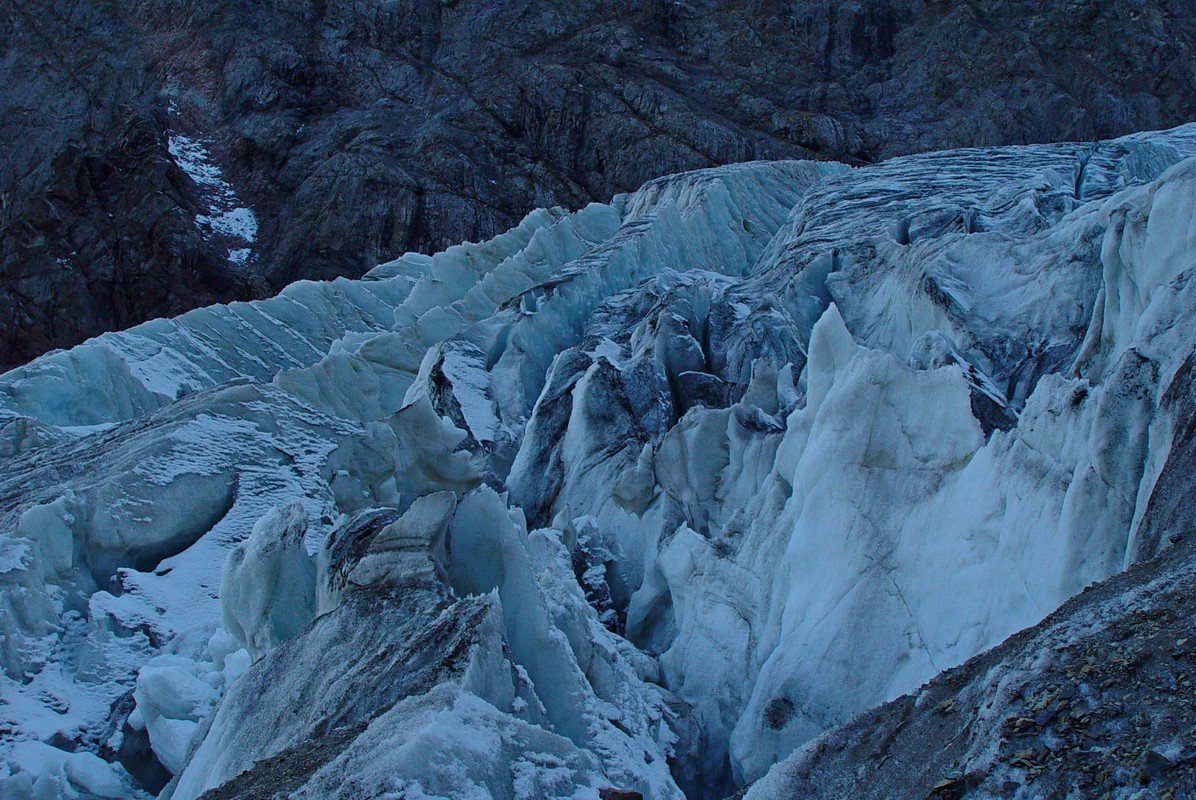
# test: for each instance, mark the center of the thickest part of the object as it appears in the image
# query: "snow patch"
(227, 222)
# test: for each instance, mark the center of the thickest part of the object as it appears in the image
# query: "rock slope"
(156, 156)
(1095, 700)
(638, 498)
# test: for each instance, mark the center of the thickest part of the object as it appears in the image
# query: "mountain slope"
(158, 156)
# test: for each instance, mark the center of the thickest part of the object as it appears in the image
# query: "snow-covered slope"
(640, 497)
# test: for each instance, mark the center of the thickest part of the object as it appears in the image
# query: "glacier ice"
(268, 585)
(502, 627)
(638, 497)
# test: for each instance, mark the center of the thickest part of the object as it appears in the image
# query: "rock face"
(638, 499)
(158, 156)
(98, 222)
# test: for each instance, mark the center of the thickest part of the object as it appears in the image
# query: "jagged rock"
(619, 794)
(157, 157)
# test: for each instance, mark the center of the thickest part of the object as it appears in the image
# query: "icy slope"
(649, 494)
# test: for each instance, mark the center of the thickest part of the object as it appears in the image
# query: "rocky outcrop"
(97, 220)
(141, 138)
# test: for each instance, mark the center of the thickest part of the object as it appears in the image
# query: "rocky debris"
(1097, 699)
(619, 794)
(353, 131)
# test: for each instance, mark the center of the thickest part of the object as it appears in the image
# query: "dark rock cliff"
(358, 129)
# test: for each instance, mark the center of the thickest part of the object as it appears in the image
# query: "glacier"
(637, 498)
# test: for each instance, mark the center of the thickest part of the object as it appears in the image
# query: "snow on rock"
(640, 497)
(227, 222)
